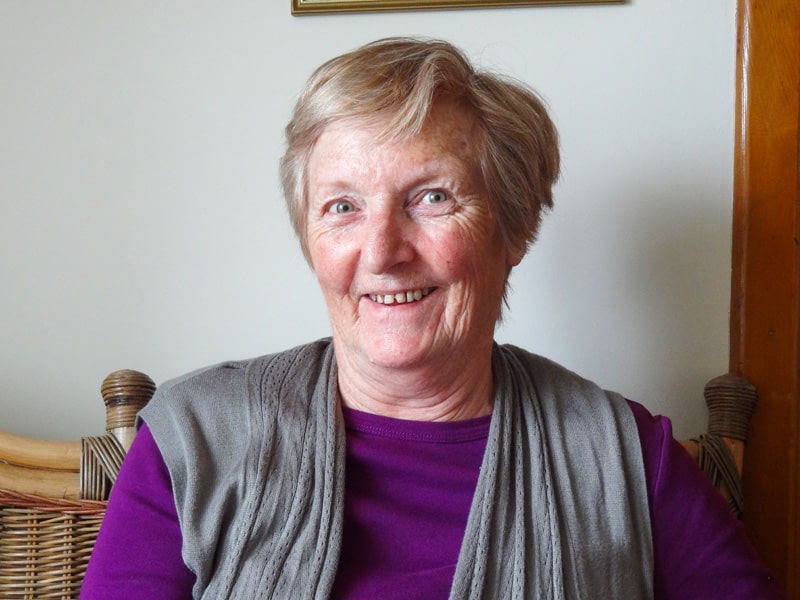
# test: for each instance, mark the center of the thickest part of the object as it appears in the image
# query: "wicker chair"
(720, 451)
(53, 496)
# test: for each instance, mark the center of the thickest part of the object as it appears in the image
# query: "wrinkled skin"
(410, 261)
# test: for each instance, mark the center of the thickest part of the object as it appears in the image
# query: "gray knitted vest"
(256, 452)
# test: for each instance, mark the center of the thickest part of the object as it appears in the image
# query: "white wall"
(142, 225)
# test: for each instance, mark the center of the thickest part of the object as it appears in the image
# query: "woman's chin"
(397, 352)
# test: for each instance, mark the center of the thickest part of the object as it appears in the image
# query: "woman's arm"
(138, 550)
(700, 549)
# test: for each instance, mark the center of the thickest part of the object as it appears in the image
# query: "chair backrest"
(53, 496)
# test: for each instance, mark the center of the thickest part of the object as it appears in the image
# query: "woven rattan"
(45, 544)
(101, 459)
(731, 400)
(715, 460)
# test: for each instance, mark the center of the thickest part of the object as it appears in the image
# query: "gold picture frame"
(307, 7)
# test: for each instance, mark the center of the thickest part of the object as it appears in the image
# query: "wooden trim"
(765, 290)
(312, 7)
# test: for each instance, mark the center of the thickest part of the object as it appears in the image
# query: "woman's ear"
(514, 256)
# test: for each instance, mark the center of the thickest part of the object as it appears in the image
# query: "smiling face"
(404, 244)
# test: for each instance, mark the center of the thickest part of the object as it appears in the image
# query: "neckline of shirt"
(357, 421)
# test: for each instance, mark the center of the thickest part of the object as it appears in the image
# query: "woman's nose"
(386, 240)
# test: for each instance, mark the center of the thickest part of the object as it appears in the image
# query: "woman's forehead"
(355, 149)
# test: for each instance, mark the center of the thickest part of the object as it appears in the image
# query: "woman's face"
(404, 244)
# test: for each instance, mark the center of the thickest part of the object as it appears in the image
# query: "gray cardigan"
(256, 452)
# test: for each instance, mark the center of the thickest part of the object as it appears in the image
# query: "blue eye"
(342, 207)
(434, 197)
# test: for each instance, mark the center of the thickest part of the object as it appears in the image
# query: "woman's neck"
(453, 391)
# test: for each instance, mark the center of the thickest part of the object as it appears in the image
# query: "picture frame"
(307, 7)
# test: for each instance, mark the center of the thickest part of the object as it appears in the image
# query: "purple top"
(405, 516)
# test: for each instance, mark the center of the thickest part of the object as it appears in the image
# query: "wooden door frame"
(765, 288)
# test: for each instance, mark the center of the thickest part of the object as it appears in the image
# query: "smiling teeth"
(401, 297)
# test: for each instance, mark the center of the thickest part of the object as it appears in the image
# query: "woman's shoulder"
(571, 394)
(543, 367)
(224, 412)
(230, 382)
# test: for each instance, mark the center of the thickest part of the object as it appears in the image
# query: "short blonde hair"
(396, 81)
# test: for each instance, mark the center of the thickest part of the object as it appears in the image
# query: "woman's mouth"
(401, 297)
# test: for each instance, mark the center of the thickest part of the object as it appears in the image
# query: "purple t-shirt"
(409, 487)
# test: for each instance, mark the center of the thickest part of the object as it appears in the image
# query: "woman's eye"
(342, 207)
(434, 196)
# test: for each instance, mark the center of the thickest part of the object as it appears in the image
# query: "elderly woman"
(410, 456)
